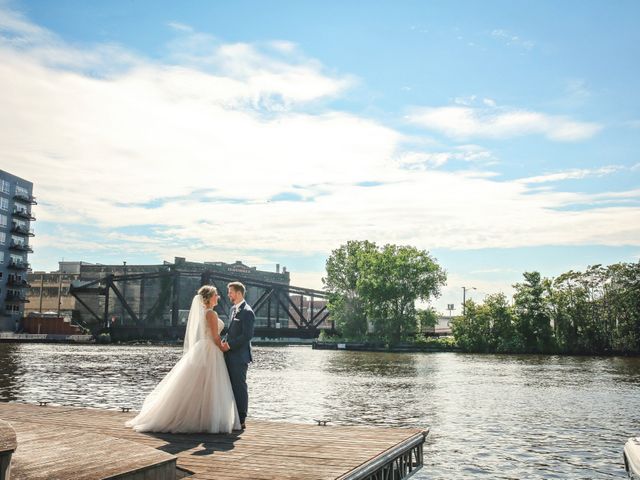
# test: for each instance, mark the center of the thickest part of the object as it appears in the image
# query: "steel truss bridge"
(307, 322)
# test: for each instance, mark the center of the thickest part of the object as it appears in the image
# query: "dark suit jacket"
(239, 335)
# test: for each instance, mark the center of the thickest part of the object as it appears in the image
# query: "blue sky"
(500, 136)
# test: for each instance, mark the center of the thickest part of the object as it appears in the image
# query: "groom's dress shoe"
(243, 426)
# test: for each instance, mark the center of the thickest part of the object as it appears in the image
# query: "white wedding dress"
(196, 395)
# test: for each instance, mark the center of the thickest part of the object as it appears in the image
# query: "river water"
(490, 416)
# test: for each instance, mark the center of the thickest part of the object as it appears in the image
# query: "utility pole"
(124, 290)
(41, 291)
(464, 298)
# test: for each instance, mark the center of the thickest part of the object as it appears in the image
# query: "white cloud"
(272, 75)
(510, 39)
(181, 27)
(20, 37)
(308, 279)
(574, 174)
(423, 160)
(466, 101)
(468, 122)
(494, 270)
(230, 123)
(284, 46)
(577, 89)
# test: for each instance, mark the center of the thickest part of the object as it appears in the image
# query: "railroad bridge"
(154, 304)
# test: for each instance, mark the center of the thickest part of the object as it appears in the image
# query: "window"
(3, 220)
(22, 191)
(3, 238)
(1, 261)
(17, 240)
(4, 203)
(4, 186)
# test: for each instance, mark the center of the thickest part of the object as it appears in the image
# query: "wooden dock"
(83, 444)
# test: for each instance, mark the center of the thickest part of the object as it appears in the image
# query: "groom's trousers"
(238, 376)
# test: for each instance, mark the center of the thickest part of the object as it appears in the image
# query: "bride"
(196, 395)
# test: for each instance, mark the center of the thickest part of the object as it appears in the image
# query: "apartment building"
(16, 201)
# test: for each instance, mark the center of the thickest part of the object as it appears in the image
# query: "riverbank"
(10, 337)
(382, 347)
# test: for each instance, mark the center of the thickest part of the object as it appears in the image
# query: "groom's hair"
(238, 287)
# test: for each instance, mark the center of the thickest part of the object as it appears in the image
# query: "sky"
(500, 136)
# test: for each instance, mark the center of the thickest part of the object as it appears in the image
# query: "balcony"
(18, 265)
(15, 228)
(13, 282)
(26, 198)
(20, 247)
(13, 297)
(22, 213)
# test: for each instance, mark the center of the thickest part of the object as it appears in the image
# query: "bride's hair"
(206, 292)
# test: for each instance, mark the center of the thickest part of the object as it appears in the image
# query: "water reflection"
(8, 371)
(373, 363)
(373, 388)
(491, 416)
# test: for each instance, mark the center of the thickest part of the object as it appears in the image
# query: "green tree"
(503, 333)
(346, 304)
(533, 320)
(596, 311)
(393, 279)
(568, 305)
(379, 286)
(583, 311)
(623, 301)
(472, 330)
(426, 318)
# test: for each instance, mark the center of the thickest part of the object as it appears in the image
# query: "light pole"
(124, 290)
(464, 297)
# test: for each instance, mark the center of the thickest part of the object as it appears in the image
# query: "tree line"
(592, 312)
(373, 291)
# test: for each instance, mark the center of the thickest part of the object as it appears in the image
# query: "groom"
(237, 346)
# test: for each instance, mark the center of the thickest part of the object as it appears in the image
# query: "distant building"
(16, 200)
(442, 327)
(309, 309)
(150, 298)
(48, 293)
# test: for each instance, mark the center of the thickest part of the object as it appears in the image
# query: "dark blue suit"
(239, 335)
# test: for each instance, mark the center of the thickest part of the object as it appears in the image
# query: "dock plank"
(51, 452)
(7, 437)
(264, 451)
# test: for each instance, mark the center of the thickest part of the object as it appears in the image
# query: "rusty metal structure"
(282, 310)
